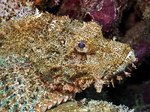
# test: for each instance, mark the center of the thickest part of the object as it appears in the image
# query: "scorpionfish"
(45, 60)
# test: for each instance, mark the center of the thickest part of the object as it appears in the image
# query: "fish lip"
(129, 61)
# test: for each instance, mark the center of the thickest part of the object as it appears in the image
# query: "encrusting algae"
(91, 106)
(61, 57)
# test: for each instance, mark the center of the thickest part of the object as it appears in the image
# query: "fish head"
(91, 58)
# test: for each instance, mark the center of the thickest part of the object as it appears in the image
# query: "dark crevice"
(49, 6)
(55, 9)
(130, 16)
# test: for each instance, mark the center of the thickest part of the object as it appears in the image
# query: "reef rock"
(104, 12)
(91, 106)
(139, 39)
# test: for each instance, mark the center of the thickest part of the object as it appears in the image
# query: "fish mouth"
(129, 61)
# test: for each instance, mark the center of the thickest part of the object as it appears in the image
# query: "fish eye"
(81, 44)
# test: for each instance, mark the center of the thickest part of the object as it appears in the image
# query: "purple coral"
(104, 12)
(142, 49)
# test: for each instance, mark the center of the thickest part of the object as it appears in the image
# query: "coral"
(91, 106)
(104, 12)
(144, 6)
(146, 13)
(66, 56)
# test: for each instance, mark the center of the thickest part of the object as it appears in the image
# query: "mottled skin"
(21, 89)
(58, 68)
(11, 9)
